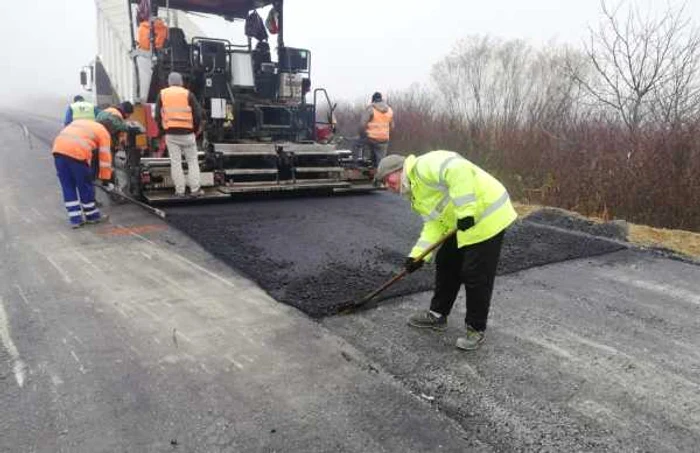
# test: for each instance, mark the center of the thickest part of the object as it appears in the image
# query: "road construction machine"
(263, 128)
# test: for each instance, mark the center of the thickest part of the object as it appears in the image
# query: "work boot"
(75, 226)
(102, 219)
(197, 194)
(428, 320)
(471, 341)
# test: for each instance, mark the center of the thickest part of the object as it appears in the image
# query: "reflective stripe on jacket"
(379, 126)
(175, 108)
(82, 110)
(446, 187)
(80, 138)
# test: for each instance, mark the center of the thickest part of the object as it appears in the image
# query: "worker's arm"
(69, 116)
(104, 155)
(431, 233)
(196, 112)
(460, 182)
(158, 116)
(366, 116)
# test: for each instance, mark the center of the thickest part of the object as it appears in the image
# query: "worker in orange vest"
(144, 33)
(179, 115)
(73, 151)
(377, 122)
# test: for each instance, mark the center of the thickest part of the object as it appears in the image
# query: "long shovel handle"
(404, 273)
(148, 208)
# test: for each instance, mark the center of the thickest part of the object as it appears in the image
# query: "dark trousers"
(473, 266)
(78, 191)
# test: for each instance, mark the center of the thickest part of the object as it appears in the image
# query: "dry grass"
(685, 242)
(680, 241)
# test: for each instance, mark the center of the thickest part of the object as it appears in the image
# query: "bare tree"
(641, 65)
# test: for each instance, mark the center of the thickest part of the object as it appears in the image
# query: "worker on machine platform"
(449, 192)
(377, 122)
(179, 115)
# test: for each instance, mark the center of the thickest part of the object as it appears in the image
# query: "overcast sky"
(357, 46)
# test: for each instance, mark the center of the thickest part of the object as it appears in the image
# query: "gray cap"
(388, 165)
(175, 78)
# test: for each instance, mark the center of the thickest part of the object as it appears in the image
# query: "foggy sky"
(358, 46)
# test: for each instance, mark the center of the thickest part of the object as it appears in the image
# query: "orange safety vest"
(80, 138)
(175, 108)
(379, 125)
(145, 34)
(114, 111)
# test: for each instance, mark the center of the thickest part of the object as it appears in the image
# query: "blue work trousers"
(78, 190)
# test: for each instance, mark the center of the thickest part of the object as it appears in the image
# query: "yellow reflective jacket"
(445, 187)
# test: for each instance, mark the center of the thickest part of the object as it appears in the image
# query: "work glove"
(465, 223)
(107, 185)
(411, 265)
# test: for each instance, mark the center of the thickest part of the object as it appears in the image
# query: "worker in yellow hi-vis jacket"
(449, 192)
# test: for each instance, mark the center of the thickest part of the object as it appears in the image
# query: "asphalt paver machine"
(261, 132)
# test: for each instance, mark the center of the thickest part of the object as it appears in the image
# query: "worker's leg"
(68, 187)
(189, 147)
(379, 152)
(478, 274)
(176, 172)
(84, 182)
(447, 277)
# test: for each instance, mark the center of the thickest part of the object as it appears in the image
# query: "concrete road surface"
(131, 337)
(127, 337)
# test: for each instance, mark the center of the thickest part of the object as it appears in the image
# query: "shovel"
(398, 276)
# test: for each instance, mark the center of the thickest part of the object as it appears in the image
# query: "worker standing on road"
(179, 115)
(450, 192)
(80, 109)
(377, 122)
(73, 151)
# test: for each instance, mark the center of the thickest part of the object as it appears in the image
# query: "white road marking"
(149, 312)
(659, 288)
(247, 358)
(18, 366)
(80, 364)
(86, 260)
(22, 295)
(232, 360)
(70, 332)
(55, 379)
(191, 263)
(65, 276)
(184, 337)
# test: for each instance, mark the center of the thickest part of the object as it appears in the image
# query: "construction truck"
(261, 131)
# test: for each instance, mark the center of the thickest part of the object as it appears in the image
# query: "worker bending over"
(73, 151)
(80, 109)
(450, 192)
(117, 116)
(179, 115)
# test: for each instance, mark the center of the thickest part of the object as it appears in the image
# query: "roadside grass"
(680, 241)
